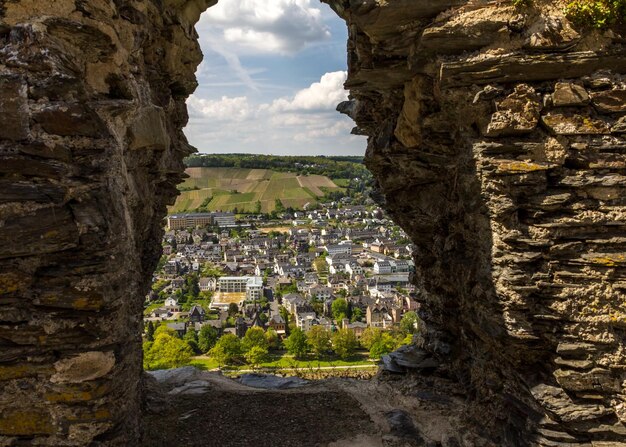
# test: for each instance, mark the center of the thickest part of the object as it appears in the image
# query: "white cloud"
(306, 121)
(225, 109)
(268, 26)
(323, 95)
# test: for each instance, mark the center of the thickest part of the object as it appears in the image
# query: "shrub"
(596, 13)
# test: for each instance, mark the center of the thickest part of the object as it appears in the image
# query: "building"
(196, 314)
(224, 220)
(207, 284)
(306, 320)
(182, 221)
(382, 268)
(252, 286)
(192, 220)
(340, 248)
(379, 316)
(171, 304)
(278, 324)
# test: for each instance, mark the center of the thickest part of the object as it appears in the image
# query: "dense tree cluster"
(333, 167)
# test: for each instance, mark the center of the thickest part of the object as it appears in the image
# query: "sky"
(272, 75)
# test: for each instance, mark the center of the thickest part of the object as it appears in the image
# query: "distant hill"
(229, 189)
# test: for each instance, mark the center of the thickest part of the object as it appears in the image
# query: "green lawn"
(285, 361)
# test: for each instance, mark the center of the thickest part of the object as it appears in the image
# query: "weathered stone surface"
(84, 367)
(508, 163)
(14, 109)
(517, 114)
(269, 381)
(70, 119)
(569, 94)
(573, 124)
(611, 101)
(26, 423)
(555, 400)
(92, 103)
(598, 379)
(550, 33)
(148, 130)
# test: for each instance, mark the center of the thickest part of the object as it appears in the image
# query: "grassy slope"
(232, 188)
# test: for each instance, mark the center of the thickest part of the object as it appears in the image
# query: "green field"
(238, 188)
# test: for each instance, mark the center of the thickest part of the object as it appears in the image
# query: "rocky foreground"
(195, 408)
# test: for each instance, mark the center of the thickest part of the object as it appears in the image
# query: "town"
(330, 281)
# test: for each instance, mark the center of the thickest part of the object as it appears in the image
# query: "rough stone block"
(77, 393)
(557, 401)
(148, 130)
(610, 101)
(45, 230)
(26, 422)
(13, 109)
(517, 114)
(574, 124)
(70, 119)
(84, 367)
(598, 379)
(70, 299)
(568, 94)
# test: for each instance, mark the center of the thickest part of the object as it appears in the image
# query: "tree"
(207, 338)
(150, 331)
(272, 339)
(339, 309)
(409, 322)
(191, 338)
(319, 340)
(226, 350)
(278, 206)
(296, 343)
(256, 355)
(167, 351)
(370, 336)
(344, 343)
(357, 314)
(257, 207)
(383, 345)
(211, 270)
(233, 309)
(255, 336)
(191, 285)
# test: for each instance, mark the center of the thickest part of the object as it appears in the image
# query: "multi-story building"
(252, 286)
(191, 220)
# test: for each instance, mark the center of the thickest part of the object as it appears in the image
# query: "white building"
(382, 268)
(354, 269)
(207, 284)
(251, 285)
(341, 248)
(306, 320)
(171, 304)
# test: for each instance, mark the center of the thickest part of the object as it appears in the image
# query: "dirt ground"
(259, 419)
(193, 408)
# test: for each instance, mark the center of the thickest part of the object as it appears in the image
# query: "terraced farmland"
(234, 188)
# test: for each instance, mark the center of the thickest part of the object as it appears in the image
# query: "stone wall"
(496, 135)
(92, 106)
